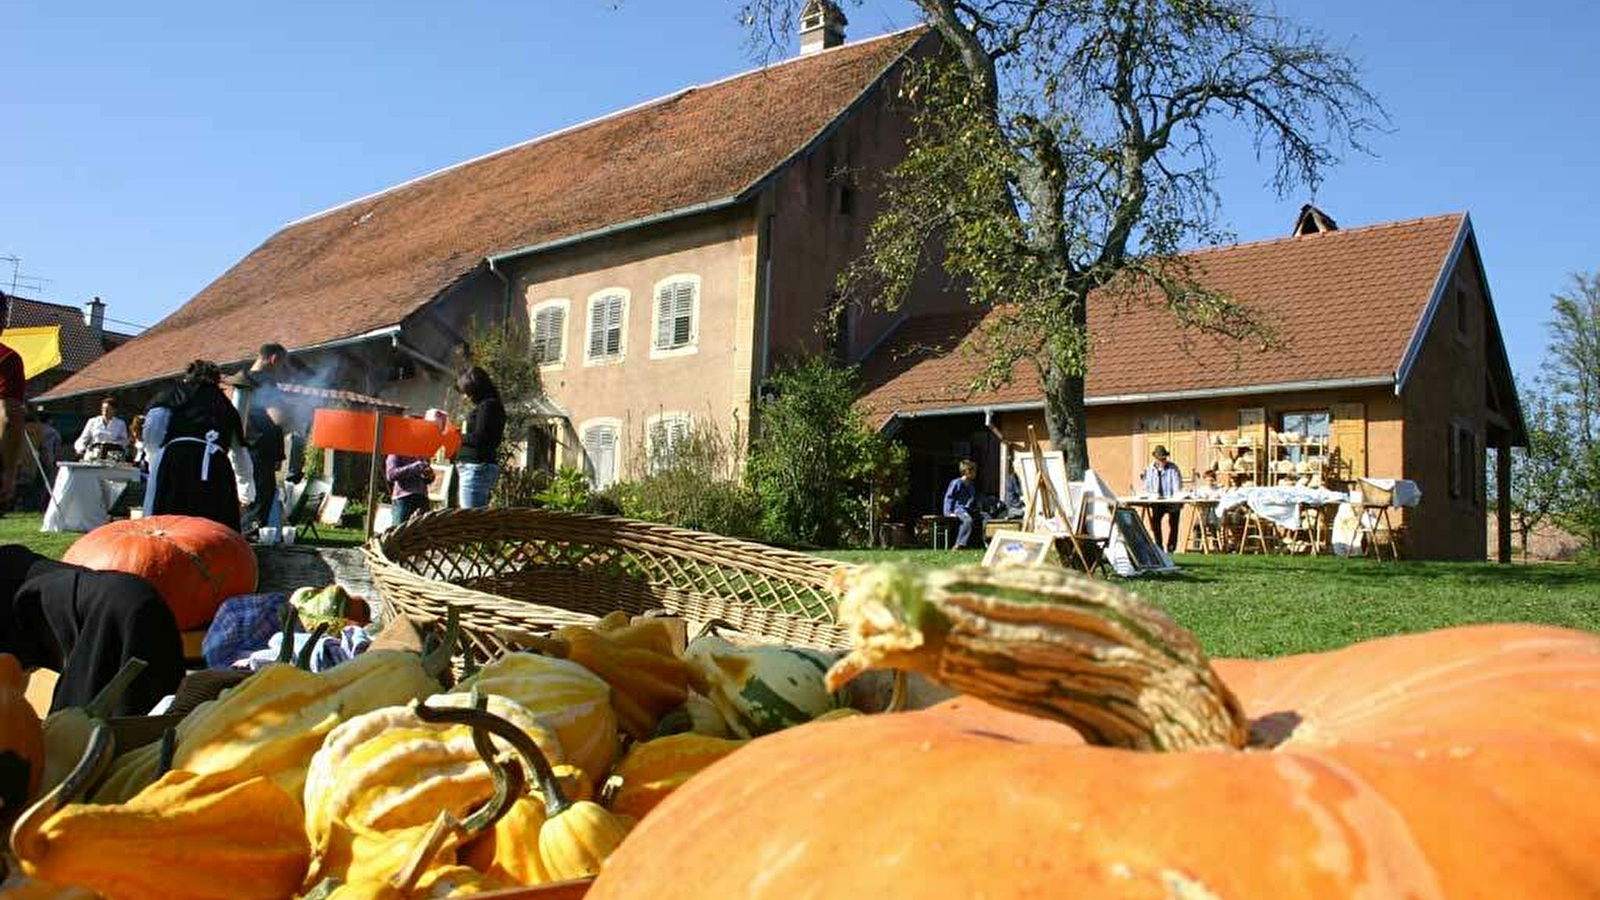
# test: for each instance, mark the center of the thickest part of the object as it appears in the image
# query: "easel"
(1043, 505)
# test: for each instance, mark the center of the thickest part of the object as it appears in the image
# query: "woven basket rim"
(426, 535)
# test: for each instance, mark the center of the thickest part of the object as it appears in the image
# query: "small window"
(1313, 424)
(1464, 463)
(607, 313)
(667, 434)
(548, 341)
(847, 200)
(677, 304)
(1463, 313)
(600, 454)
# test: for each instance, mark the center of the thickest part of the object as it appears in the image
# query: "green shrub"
(692, 483)
(818, 471)
(568, 491)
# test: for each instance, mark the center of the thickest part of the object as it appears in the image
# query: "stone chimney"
(94, 316)
(821, 26)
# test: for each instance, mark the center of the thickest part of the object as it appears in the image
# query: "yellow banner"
(39, 347)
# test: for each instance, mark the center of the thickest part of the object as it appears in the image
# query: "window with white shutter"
(675, 317)
(600, 453)
(608, 313)
(548, 340)
(666, 434)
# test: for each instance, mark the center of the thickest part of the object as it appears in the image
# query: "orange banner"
(340, 429)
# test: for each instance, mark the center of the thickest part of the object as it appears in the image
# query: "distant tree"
(1572, 373)
(1065, 146)
(503, 352)
(1541, 472)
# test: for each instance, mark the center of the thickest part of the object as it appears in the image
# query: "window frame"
(593, 474)
(625, 296)
(692, 346)
(1463, 473)
(563, 304)
(1297, 452)
(652, 422)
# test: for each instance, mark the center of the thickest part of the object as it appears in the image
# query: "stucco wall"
(710, 384)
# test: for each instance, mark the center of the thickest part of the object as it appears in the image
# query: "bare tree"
(1065, 147)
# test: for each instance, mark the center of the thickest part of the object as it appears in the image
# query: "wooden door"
(1348, 434)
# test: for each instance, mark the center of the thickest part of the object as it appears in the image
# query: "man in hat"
(1162, 479)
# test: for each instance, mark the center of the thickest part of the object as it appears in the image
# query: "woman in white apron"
(198, 463)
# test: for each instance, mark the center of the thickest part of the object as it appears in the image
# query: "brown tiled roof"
(368, 264)
(1344, 305)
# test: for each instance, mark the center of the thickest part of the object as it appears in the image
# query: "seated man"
(85, 625)
(961, 502)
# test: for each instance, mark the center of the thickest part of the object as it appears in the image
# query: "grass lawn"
(23, 528)
(1271, 605)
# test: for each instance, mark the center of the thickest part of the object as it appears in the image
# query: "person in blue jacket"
(961, 502)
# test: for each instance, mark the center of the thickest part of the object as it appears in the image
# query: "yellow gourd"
(647, 678)
(180, 839)
(388, 770)
(576, 836)
(654, 769)
(565, 696)
(509, 850)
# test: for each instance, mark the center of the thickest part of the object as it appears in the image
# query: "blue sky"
(148, 147)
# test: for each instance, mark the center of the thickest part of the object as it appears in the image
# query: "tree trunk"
(1067, 418)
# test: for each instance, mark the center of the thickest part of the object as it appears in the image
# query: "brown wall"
(709, 384)
(813, 237)
(1119, 454)
(1447, 385)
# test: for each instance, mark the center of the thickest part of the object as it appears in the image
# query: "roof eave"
(694, 209)
(374, 334)
(1424, 323)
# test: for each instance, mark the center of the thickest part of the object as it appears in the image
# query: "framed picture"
(1017, 548)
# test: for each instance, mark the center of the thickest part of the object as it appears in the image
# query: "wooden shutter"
(664, 311)
(675, 314)
(1182, 429)
(597, 326)
(549, 327)
(613, 325)
(1348, 435)
(600, 447)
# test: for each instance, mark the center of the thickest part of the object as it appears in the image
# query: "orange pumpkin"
(195, 563)
(1458, 763)
(21, 741)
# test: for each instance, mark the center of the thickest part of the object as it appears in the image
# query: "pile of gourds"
(372, 779)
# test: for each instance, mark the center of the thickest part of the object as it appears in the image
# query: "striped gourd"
(274, 721)
(387, 770)
(760, 689)
(570, 699)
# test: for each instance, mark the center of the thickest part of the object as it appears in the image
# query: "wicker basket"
(530, 570)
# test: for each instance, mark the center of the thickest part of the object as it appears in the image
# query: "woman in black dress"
(198, 463)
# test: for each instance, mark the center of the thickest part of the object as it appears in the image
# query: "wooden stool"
(941, 530)
(1368, 534)
(1258, 530)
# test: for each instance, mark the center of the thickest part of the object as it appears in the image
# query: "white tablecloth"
(83, 493)
(1279, 505)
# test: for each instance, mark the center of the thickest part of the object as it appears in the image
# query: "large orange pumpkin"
(195, 563)
(21, 741)
(1461, 763)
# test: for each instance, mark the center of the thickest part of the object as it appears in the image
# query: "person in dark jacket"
(85, 624)
(478, 461)
(198, 463)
